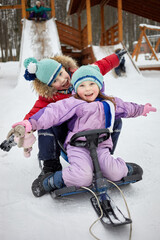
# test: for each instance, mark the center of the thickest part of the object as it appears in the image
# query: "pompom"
(28, 76)
(32, 67)
(27, 61)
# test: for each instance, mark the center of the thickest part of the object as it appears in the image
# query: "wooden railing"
(84, 37)
(112, 35)
(88, 56)
(69, 35)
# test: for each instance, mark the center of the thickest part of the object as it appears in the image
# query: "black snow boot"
(43, 184)
(135, 172)
(49, 167)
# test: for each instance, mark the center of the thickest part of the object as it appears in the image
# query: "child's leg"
(49, 150)
(80, 171)
(112, 168)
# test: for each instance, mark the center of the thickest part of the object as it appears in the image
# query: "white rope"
(129, 215)
(90, 229)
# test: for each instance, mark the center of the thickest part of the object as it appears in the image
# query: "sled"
(100, 185)
(38, 19)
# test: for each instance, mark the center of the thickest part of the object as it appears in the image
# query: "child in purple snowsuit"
(88, 109)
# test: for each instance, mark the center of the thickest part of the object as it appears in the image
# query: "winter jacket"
(38, 10)
(81, 115)
(105, 65)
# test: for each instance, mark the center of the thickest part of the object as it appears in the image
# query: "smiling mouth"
(89, 95)
(66, 85)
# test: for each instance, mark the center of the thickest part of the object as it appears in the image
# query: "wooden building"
(80, 40)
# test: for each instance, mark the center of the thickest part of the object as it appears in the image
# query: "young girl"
(87, 109)
(60, 68)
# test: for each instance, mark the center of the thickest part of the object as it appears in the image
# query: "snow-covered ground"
(23, 217)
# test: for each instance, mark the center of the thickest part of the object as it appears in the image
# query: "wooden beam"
(137, 47)
(102, 42)
(120, 22)
(79, 22)
(23, 9)
(10, 7)
(53, 13)
(89, 23)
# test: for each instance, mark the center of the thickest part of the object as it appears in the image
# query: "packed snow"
(23, 217)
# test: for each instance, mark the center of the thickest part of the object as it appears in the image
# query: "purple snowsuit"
(85, 116)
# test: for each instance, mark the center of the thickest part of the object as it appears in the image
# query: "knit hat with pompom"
(87, 73)
(45, 70)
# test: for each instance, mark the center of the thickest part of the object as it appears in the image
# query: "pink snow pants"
(80, 171)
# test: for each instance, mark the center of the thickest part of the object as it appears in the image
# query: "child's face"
(62, 81)
(38, 4)
(88, 91)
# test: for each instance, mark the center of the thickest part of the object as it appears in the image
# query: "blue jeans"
(49, 150)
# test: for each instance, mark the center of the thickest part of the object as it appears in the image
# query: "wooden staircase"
(73, 53)
(73, 44)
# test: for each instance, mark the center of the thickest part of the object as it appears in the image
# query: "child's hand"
(121, 53)
(148, 108)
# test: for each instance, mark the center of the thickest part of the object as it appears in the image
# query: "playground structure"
(77, 43)
(143, 28)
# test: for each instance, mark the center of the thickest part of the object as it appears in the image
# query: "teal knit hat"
(45, 70)
(87, 73)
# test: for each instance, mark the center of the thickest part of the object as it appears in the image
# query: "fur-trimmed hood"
(46, 91)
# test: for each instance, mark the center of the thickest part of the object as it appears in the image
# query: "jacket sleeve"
(55, 113)
(127, 109)
(43, 102)
(30, 9)
(108, 63)
(46, 9)
(37, 106)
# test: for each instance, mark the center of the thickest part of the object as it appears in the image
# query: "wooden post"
(156, 47)
(89, 25)
(53, 13)
(149, 44)
(102, 42)
(23, 8)
(120, 21)
(137, 47)
(79, 22)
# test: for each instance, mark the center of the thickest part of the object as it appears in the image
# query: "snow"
(23, 217)
(143, 62)
(149, 26)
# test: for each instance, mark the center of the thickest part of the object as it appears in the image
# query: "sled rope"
(129, 215)
(90, 228)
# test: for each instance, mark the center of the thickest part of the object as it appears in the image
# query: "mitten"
(6, 145)
(24, 123)
(148, 108)
(121, 53)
